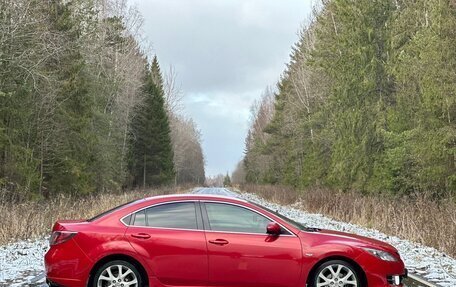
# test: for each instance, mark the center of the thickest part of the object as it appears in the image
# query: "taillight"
(58, 237)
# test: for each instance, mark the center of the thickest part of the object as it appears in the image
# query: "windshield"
(284, 218)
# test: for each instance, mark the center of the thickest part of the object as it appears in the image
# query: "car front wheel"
(336, 273)
(117, 273)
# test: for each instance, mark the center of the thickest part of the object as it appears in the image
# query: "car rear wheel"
(117, 273)
(336, 273)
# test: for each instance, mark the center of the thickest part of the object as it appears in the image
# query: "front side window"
(231, 218)
(179, 215)
(295, 224)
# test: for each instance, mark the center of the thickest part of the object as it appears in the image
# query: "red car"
(203, 240)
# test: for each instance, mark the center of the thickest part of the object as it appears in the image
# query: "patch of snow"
(21, 262)
(428, 262)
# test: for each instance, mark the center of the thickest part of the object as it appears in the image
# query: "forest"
(84, 104)
(366, 103)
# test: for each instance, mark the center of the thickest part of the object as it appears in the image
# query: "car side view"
(204, 240)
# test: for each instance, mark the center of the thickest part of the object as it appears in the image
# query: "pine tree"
(227, 180)
(151, 148)
(385, 121)
(67, 166)
(70, 78)
(422, 140)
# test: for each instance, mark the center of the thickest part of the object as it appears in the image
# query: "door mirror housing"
(273, 228)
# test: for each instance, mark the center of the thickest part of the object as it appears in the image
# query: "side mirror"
(273, 228)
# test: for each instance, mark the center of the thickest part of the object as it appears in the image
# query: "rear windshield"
(284, 218)
(110, 211)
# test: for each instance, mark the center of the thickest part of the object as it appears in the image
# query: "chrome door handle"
(141, 235)
(219, 241)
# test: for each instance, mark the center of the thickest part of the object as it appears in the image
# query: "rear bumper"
(51, 283)
(62, 282)
(66, 265)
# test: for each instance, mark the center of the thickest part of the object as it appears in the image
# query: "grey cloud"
(226, 52)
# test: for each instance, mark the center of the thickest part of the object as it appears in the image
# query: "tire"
(120, 272)
(336, 273)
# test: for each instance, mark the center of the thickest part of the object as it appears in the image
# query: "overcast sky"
(226, 52)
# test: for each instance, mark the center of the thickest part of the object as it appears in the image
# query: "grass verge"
(418, 218)
(22, 220)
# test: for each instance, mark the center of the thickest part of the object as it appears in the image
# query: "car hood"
(357, 240)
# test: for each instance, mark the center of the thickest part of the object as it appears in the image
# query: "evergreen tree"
(422, 139)
(71, 156)
(366, 103)
(227, 180)
(354, 58)
(71, 74)
(151, 148)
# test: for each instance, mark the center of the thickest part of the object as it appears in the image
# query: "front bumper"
(397, 280)
(381, 273)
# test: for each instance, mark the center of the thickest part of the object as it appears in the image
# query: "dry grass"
(29, 219)
(419, 219)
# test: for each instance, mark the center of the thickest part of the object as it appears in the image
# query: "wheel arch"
(113, 257)
(355, 265)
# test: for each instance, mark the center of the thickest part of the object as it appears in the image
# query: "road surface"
(215, 191)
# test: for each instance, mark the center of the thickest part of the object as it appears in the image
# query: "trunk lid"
(65, 225)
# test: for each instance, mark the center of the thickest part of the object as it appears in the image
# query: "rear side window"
(127, 220)
(140, 218)
(179, 215)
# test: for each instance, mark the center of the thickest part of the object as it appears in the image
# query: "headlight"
(381, 254)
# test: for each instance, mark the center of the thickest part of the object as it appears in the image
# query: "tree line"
(367, 102)
(83, 109)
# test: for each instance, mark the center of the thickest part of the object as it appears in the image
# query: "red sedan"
(203, 240)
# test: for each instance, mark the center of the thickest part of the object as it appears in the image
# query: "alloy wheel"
(336, 275)
(117, 276)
